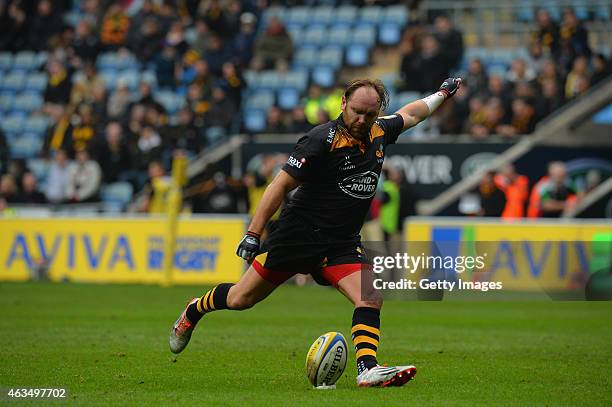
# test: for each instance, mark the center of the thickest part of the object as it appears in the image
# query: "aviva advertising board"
(120, 250)
(534, 255)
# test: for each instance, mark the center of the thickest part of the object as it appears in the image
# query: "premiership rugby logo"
(362, 186)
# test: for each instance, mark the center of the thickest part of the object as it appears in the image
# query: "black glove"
(449, 86)
(249, 246)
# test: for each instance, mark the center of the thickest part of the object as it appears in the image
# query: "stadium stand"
(218, 70)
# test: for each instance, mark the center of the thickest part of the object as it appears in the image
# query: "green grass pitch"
(107, 345)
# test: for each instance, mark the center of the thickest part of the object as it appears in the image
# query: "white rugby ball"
(326, 359)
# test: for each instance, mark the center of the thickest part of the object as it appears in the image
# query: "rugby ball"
(326, 359)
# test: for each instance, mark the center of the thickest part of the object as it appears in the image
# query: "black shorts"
(297, 247)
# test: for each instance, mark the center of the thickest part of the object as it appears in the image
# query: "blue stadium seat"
(261, 99)
(14, 81)
(28, 102)
(339, 35)
(295, 31)
(299, 15)
(39, 167)
(305, 57)
(255, 120)
(269, 80)
(602, 12)
(288, 98)
(149, 77)
(323, 14)
(171, 101)
(116, 196)
(25, 60)
(110, 77)
(402, 99)
(117, 61)
(364, 34)
(396, 15)
(389, 34)
(372, 15)
(42, 57)
(13, 123)
(6, 102)
(131, 78)
(346, 14)
(357, 55)
(6, 60)
(323, 76)
(315, 35)
(36, 81)
(280, 12)
(331, 56)
(26, 145)
(297, 79)
(36, 124)
(525, 12)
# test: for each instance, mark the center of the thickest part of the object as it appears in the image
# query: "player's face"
(360, 111)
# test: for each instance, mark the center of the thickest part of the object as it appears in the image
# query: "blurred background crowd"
(98, 93)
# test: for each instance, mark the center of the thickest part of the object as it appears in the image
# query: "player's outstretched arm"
(269, 204)
(415, 112)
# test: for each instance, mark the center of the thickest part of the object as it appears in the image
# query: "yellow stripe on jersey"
(362, 327)
(362, 338)
(365, 352)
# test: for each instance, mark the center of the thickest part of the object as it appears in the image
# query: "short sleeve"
(393, 126)
(304, 161)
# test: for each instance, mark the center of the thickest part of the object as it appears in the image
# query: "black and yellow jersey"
(339, 174)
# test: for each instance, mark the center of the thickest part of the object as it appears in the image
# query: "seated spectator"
(519, 73)
(44, 25)
(450, 41)
(521, 121)
(59, 135)
(244, 41)
(536, 57)
(516, 189)
(272, 45)
(165, 67)
(57, 178)
(148, 148)
(155, 191)
(476, 77)
(203, 36)
(8, 189)
(214, 16)
(498, 89)
(115, 27)
(14, 27)
(232, 83)
(83, 130)
(113, 154)
(298, 123)
(574, 39)
(216, 55)
(547, 33)
(558, 194)
(82, 88)
(601, 69)
(577, 82)
(549, 99)
(85, 44)
(59, 84)
(274, 121)
(147, 99)
(549, 72)
(184, 135)
(175, 38)
(222, 112)
(431, 66)
(313, 103)
(84, 179)
(486, 118)
(119, 101)
(29, 191)
(492, 199)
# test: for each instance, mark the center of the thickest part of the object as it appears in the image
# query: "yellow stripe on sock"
(205, 301)
(365, 352)
(212, 299)
(362, 327)
(199, 305)
(363, 338)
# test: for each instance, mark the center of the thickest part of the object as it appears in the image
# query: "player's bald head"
(368, 90)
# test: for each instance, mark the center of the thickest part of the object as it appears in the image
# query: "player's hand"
(449, 86)
(249, 246)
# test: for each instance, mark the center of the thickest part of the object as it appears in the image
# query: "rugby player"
(335, 168)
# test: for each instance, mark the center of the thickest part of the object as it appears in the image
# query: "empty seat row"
(23, 60)
(13, 81)
(347, 14)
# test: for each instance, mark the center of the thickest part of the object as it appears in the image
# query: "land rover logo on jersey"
(362, 186)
